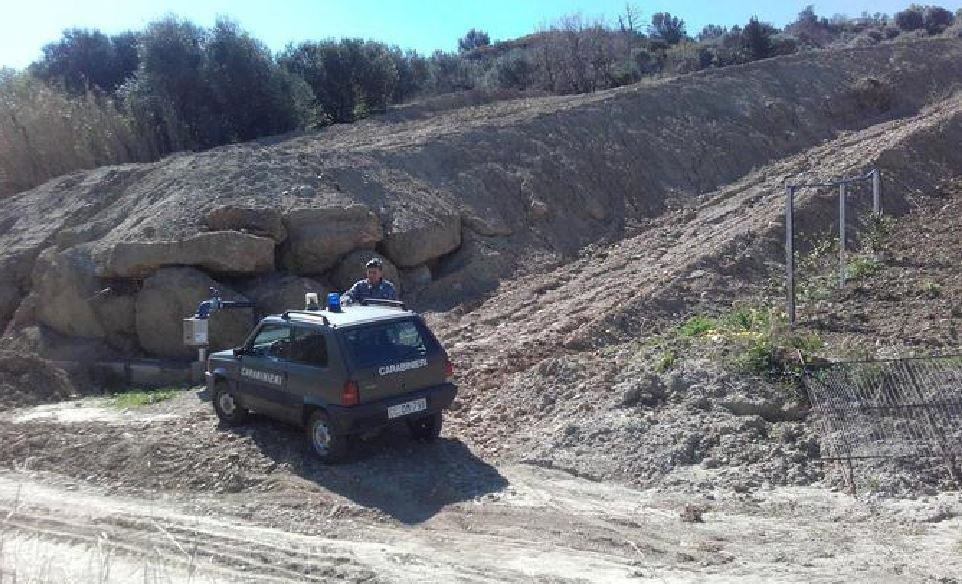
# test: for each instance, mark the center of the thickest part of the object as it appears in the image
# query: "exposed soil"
(575, 451)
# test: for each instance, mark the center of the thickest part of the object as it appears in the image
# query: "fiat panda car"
(337, 372)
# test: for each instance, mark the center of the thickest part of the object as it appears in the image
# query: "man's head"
(375, 271)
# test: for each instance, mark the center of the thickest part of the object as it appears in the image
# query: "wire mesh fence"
(892, 409)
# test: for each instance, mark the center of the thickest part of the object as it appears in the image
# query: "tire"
(330, 447)
(426, 428)
(227, 407)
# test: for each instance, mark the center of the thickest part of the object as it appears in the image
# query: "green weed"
(666, 362)
(139, 399)
(862, 268)
(697, 326)
(931, 289)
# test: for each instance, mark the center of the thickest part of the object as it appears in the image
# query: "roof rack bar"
(383, 302)
(315, 313)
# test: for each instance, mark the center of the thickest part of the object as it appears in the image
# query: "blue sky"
(417, 24)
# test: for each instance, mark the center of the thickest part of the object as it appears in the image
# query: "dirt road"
(449, 518)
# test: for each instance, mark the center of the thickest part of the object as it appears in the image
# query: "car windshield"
(385, 343)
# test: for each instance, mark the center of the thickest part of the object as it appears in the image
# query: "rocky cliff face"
(107, 262)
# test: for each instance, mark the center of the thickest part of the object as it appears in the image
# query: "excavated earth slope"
(104, 263)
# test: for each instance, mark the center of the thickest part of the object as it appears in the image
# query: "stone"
(538, 209)
(647, 390)
(261, 221)
(223, 252)
(65, 283)
(276, 293)
(318, 238)
(489, 227)
(351, 269)
(416, 278)
(172, 294)
(416, 241)
(117, 317)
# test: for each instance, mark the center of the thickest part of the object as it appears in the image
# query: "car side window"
(310, 347)
(272, 340)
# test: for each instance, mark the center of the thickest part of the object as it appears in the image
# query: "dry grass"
(45, 133)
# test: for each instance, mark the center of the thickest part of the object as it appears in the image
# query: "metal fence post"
(790, 252)
(841, 235)
(877, 191)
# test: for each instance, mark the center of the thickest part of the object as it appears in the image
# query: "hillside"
(458, 200)
(603, 269)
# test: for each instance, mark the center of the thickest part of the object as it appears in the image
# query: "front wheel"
(227, 407)
(426, 428)
(329, 446)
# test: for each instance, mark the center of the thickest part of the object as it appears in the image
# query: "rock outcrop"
(67, 289)
(222, 252)
(262, 221)
(319, 238)
(413, 241)
(173, 294)
(276, 293)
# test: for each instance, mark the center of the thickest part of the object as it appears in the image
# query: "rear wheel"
(329, 446)
(226, 406)
(426, 428)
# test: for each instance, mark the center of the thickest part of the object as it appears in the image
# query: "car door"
(313, 376)
(263, 378)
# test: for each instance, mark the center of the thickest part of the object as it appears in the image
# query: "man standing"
(374, 286)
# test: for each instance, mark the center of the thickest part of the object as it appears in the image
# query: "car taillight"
(351, 396)
(448, 370)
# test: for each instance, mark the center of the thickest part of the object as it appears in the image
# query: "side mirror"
(238, 351)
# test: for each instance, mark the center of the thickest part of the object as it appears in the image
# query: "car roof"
(349, 315)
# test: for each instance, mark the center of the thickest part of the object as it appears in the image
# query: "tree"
(474, 39)
(937, 19)
(711, 32)
(666, 27)
(757, 39)
(84, 59)
(912, 18)
(251, 96)
(629, 20)
(513, 71)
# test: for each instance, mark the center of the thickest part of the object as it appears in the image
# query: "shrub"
(861, 267)
(910, 19)
(666, 362)
(45, 133)
(697, 326)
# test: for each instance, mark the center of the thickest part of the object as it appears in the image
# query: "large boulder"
(117, 316)
(173, 294)
(414, 279)
(351, 269)
(223, 252)
(261, 221)
(66, 286)
(276, 293)
(318, 238)
(413, 241)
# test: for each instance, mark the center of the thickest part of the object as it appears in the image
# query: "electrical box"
(195, 332)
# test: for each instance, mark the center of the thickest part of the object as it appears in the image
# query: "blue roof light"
(334, 302)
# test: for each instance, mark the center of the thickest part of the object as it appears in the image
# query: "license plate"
(418, 405)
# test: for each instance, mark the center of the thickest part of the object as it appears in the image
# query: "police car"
(338, 372)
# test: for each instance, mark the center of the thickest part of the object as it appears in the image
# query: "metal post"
(202, 355)
(790, 252)
(877, 191)
(841, 235)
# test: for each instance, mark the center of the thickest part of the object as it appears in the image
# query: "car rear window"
(389, 342)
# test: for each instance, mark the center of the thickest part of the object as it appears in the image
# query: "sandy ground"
(529, 525)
